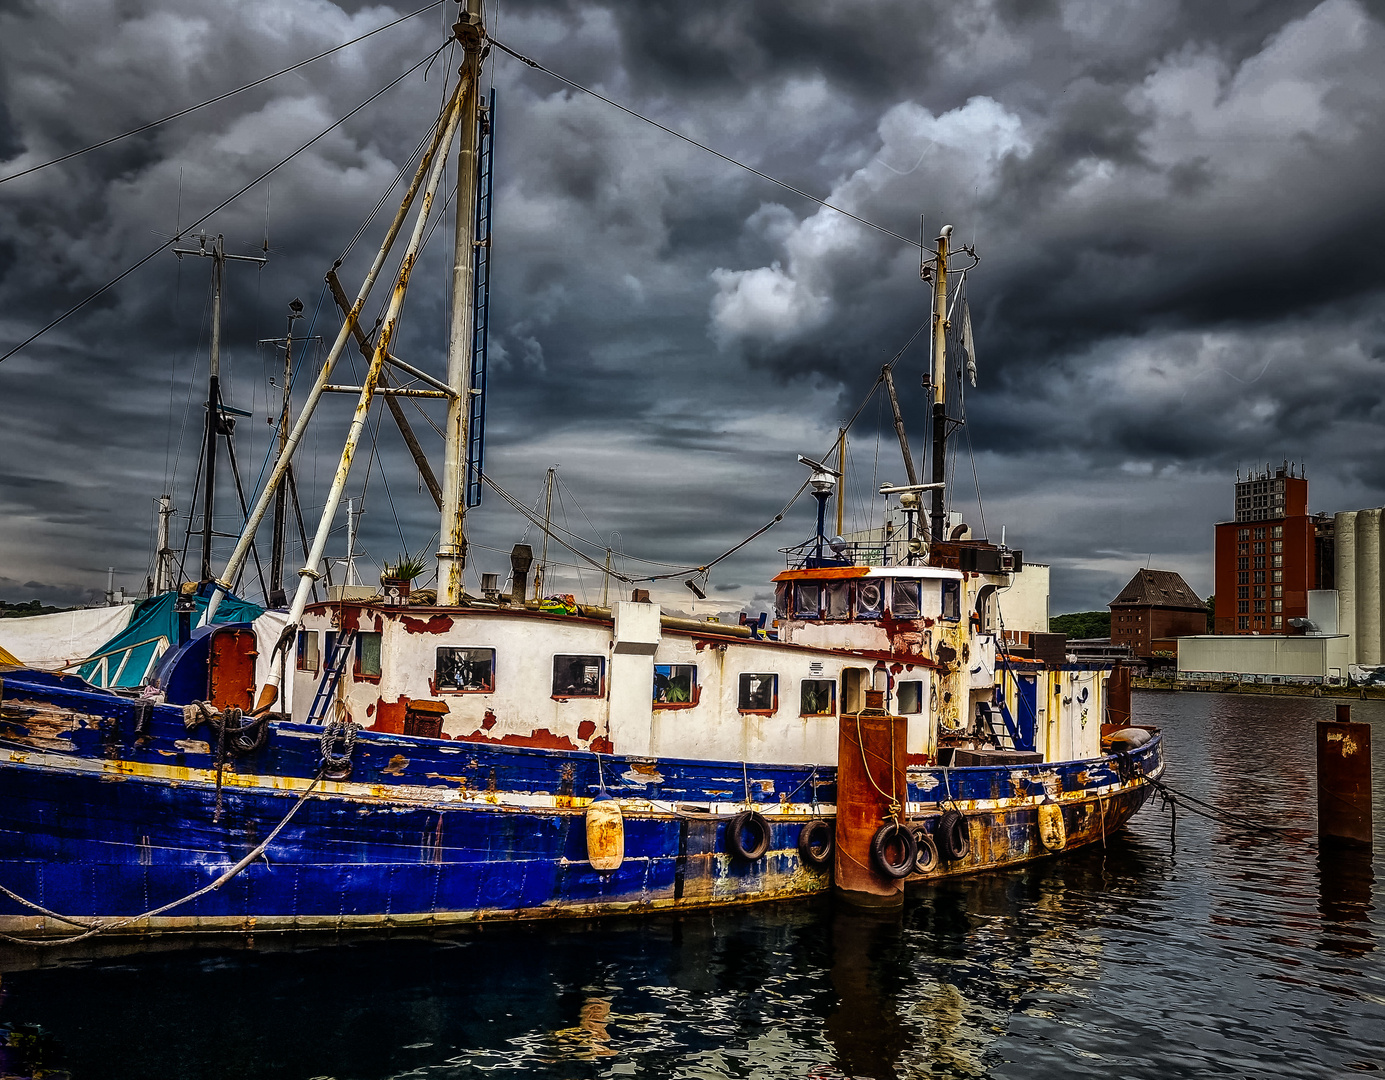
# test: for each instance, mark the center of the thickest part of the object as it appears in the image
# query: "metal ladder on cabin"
(999, 731)
(331, 677)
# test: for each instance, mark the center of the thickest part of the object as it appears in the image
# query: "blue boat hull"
(109, 810)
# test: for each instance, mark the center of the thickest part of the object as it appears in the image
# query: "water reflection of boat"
(475, 757)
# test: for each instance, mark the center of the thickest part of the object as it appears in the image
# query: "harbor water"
(1209, 950)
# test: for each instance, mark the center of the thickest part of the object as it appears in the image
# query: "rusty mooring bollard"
(1344, 778)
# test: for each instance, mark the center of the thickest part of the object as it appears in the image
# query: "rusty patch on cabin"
(397, 765)
(438, 624)
(648, 768)
(488, 720)
(586, 729)
(542, 739)
(389, 715)
(602, 745)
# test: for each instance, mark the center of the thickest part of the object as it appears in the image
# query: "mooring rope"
(1173, 798)
(91, 929)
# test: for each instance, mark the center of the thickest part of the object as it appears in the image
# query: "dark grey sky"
(1177, 206)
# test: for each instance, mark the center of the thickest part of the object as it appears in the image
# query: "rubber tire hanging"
(926, 857)
(888, 835)
(815, 843)
(748, 820)
(952, 836)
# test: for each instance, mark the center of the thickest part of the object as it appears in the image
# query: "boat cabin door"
(231, 657)
(855, 683)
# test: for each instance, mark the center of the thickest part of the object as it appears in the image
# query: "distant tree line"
(1082, 624)
(32, 607)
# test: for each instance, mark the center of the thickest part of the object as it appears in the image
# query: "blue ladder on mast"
(331, 676)
(481, 267)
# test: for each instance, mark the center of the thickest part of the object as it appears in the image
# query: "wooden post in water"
(1344, 779)
(871, 758)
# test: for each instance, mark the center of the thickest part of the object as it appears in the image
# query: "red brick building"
(1270, 556)
(1155, 604)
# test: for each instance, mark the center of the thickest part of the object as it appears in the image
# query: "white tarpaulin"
(268, 627)
(60, 639)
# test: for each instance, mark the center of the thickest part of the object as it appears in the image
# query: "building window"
(1260, 534)
(1259, 605)
(368, 656)
(1278, 560)
(818, 697)
(952, 600)
(807, 596)
(1276, 605)
(470, 671)
(758, 693)
(1243, 622)
(1259, 592)
(1242, 592)
(870, 599)
(1277, 576)
(1278, 621)
(1242, 549)
(909, 698)
(308, 656)
(1243, 606)
(1243, 578)
(1243, 564)
(1242, 534)
(904, 599)
(1277, 531)
(675, 684)
(839, 600)
(1277, 590)
(1259, 562)
(1260, 548)
(1277, 546)
(579, 676)
(1259, 577)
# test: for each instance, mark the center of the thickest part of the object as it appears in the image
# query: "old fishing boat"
(381, 761)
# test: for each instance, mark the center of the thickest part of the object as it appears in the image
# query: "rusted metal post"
(871, 757)
(452, 532)
(938, 530)
(1344, 779)
(898, 427)
(1118, 707)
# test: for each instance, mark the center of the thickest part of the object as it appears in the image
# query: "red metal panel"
(231, 668)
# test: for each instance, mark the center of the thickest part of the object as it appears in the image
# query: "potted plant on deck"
(398, 578)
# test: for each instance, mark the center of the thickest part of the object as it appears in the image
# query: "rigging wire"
(214, 100)
(220, 206)
(693, 142)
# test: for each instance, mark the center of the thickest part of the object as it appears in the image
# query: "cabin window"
(675, 684)
(818, 697)
(368, 655)
(839, 600)
(579, 676)
(909, 697)
(759, 693)
(904, 599)
(466, 670)
(952, 600)
(870, 600)
(308, 657)
(781, 600)
(807, 599)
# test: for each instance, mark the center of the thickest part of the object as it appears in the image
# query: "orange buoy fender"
(605, 835)
(1053, 831)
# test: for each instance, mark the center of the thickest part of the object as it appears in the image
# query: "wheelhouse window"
(818, 698)
(781, 600)
(368, 655)
(758, 693)
(807, 599)
(904, 599)
(909, 697)
(675, 684)
(308, 657)
(466, 670)
(870, 599)
(579, 676)
(952, 600)
(838, 600)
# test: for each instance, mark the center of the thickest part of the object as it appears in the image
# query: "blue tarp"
(128, 658)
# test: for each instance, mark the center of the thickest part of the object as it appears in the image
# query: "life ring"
(890, 835)
(926, 855)
(1053, 831)
(815, 843)
(952, 836)
(748, 821)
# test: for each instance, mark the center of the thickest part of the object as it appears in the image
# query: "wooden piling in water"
(871, 757)
(1344, 779)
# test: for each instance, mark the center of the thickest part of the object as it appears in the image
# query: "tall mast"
(276, 597)
(163, 565)
(547, 523)
(452, 531)
(939, 522)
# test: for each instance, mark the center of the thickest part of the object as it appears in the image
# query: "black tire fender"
(888, 835)
(816, 842)
(753, 823)
(926, 856)
(953, 837)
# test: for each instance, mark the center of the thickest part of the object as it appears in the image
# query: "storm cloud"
(1176, 208)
